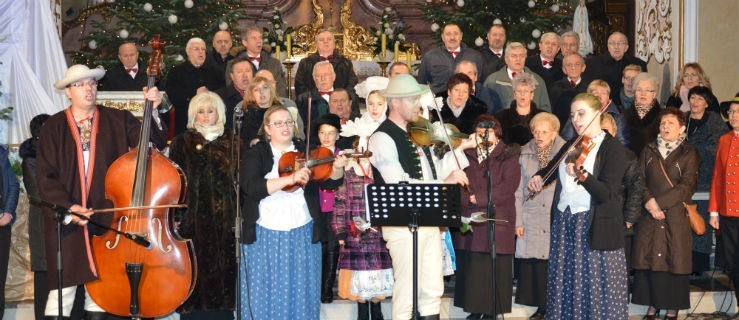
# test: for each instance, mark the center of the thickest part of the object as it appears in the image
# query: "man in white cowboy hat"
(394, 157)
(76, 147)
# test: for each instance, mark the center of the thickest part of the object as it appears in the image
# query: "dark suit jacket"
(489, 97)
(345, 76)
(606, 230)
(604, 67)
(117, 79)
(490, 63)
(319, 106)
(230, 98)
(550, 75)
(182, 84)
(561, 94)
(275, 67)
(218, 64)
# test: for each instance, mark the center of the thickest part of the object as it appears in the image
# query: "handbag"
(697, 224)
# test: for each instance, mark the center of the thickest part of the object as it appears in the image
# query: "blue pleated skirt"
(281, 275)
(584, 283)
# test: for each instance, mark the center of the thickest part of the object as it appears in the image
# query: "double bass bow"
(144, 185)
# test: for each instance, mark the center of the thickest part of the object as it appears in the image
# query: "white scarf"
(210, 133)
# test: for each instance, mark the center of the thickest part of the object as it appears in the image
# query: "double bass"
(133, 280)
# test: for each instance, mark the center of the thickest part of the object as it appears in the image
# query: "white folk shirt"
(574, 194)
(283, 211)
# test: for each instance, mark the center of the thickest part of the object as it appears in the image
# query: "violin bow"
(565, 154)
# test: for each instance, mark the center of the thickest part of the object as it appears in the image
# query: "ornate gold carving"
(654, 30)
(306, 34)
(357, 40)
(123, 100)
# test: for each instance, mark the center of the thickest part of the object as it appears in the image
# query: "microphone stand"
(61, 214)
(236, 160)
(491, 222)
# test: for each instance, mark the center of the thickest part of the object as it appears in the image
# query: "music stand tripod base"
(414, 206)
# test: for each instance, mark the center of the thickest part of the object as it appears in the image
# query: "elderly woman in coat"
(704, 128)
(662, 259)
(641, 119)
(473, 291)
(533, 216)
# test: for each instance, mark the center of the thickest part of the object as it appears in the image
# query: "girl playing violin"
(280, 233)
(587, 266)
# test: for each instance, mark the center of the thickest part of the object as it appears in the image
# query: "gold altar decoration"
(131, 101)
(354, 41)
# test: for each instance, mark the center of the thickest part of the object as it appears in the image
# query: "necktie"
(257, 59)
(573, 83)
(134, 70)
(329, 58)
(497, 54)
(454, 53)
(546, 63)
(513, 75)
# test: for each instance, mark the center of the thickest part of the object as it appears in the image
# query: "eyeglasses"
(523, 92)
(645, 90)
(280, 124)
(91, 84)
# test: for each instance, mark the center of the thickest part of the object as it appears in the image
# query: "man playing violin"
(76, 147)
(395, 157)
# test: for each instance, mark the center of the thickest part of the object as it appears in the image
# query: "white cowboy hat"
(403, 85)
(78, 72)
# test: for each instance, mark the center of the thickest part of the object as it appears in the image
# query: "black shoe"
(376, 311)
(474, 316)
(328, 276)
(540, 314)
(90, 315)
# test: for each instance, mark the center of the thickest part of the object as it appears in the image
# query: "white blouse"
(283, 211)
(573, 194)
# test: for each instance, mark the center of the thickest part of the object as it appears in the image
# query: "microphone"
(486, 125)
(238, 112)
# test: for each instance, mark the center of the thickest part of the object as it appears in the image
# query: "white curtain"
(32, 60)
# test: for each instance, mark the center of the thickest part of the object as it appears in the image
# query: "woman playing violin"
(587, 266)
(280, 233)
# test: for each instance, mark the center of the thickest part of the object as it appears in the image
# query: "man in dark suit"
(546, 64)
(219, 57)
(610, 66)
(240, 72)
(564, 90)
(438, 64)
(129, 75)
(252, 41)
(187, 79)
(324, 78)
(479, 91)
(492, 56)
(325, 51)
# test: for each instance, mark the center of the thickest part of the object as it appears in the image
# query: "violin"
(423, 134)
(576, 154)
(320, 163)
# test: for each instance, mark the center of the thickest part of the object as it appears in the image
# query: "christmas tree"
(525, 20)
(137, 21)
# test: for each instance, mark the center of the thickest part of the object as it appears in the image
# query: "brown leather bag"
(696, 220)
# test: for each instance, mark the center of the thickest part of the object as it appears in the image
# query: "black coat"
(259, 159)
(472, 109)
(641, 131)
(345, 76)
(561, 93)
(705, 140)
(606, 68)
(604, 185)
(516, 127)
(231, 98)
(218, 65)
(490, 63)
(550, 75)
(633, 189)
(183, 82)
(117, 79)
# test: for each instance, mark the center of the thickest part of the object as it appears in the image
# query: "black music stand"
(414, 205)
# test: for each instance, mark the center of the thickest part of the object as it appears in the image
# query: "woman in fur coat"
(204, 153)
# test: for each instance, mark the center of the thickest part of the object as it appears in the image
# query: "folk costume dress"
(365, 268)
(587, 267)
(280, 265)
